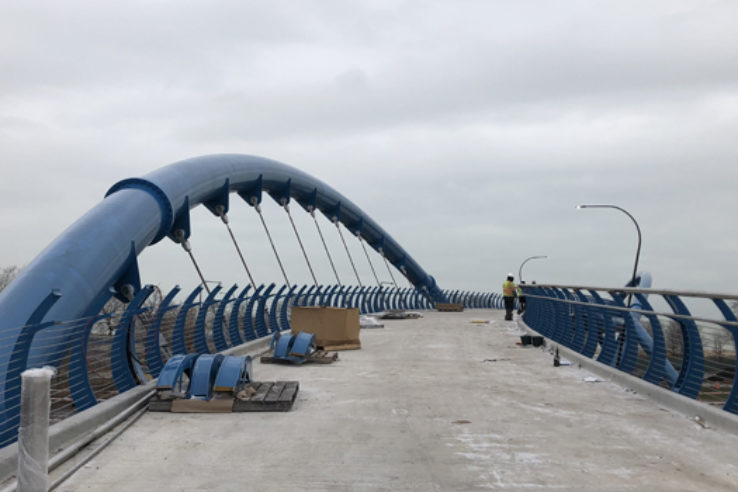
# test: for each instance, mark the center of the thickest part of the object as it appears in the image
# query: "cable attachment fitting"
(179, 235)
(220, 210)
(127, 291)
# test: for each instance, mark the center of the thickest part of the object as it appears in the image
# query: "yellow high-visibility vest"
(508, 289)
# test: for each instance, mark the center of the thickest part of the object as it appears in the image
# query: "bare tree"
(7, 274)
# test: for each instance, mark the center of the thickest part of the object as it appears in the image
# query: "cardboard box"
(334, 328)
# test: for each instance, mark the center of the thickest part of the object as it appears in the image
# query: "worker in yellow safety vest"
(509, 292)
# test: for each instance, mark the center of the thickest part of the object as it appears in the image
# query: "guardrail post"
(33, 433)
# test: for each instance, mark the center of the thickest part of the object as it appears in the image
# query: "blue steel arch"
(96, 256)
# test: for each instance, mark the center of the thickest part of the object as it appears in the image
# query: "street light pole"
(638, 251)
(520, 270)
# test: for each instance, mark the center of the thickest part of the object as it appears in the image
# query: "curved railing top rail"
(640, 290)
(96, 256)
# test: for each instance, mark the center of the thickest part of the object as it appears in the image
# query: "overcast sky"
(469, 130)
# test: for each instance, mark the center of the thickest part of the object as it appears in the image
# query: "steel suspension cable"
(302, 247)
(325, 246)
(363, 245)
(266, 229)
(224, 218)
(389, 269)
(180, 236)
(351, 260)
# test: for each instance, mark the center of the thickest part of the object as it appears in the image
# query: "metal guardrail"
(101, 356)
(680, 340)
(475, 300)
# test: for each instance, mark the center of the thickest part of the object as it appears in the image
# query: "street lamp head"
(581, 206)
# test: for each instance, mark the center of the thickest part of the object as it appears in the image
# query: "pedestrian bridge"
(445, 402)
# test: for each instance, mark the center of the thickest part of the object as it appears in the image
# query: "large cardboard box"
(334, 328)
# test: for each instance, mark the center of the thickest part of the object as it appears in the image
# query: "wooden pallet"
(268, 397)
(319, 357)
(265, 396)
(449, 306)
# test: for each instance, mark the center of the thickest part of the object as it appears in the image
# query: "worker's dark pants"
(509, 307)
(521, 304)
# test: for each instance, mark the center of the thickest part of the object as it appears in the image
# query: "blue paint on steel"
(348, 300)
(329, 297)
(171, 377)
(234, 335)
(306, 297)
(201, 341)
(234, 373)
(299, 296)
(203, 376)
(274, 309)
(608, 353)
(124, 365)
(219, 337)
(93, 256)
(282, 345)
(260, 325)
(628, 338)
(294, 348)
(693, 363)
(178, 335)
(304, 345)
(731, 404)
(286, 304)
(220, 199)
(79, 377)
(249, 330)
(181, 227)
(12, 388)
(154, 359)
(316, 297)
(657, 351)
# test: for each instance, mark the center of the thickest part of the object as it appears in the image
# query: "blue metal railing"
(101, 356)
(691, 351)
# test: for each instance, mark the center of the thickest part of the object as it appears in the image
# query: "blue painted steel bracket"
(234, 334)
(203, 376)
(286, 304)
(201, 341)
(234, 373)
(154, 359)
(171, 378)
(178, 335)
(731, 404)
(79, 376)
(693, 363)
(124, 365)
(274, 309)
(657, 352)
(219, 338)
(249, 328)
(293, 348)
(260, 325)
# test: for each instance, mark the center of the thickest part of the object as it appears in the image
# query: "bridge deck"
(437, 403)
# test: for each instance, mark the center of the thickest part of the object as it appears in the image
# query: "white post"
(33, 433)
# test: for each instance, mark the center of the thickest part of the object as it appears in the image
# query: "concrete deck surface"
(438, 403)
